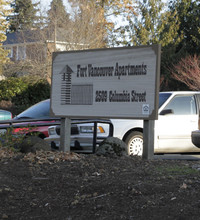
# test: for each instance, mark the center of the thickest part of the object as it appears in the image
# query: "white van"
(178, 116)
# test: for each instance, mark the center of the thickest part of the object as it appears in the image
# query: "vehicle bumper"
(196, 138)
(76, 143)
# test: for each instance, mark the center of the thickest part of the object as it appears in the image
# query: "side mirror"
(166, 112)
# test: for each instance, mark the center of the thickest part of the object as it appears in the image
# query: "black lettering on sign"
(101, 96)
(138, 97)
(81, 71)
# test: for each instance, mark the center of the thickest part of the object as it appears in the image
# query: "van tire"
(134, 142)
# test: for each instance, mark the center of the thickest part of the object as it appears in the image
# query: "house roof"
(29, 36)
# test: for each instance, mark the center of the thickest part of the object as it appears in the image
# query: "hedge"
(23, 92)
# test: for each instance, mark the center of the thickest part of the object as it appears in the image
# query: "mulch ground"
(69, 186)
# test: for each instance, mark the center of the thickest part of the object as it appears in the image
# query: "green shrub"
(33, 94)
(13, 140)
(11, 87)
(23, 92)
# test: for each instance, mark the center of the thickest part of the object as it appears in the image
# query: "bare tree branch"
(187, 71)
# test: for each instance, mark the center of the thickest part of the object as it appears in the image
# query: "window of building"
(10, 51)
(21, 52)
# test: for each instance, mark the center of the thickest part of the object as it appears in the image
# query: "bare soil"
(58, 186)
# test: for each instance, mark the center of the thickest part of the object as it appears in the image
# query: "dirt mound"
(62, 186)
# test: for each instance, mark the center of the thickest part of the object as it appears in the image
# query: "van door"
(175, 124)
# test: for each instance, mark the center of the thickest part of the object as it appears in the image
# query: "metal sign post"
(148, 138)
(65, 134)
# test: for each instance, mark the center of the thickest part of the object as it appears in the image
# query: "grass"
(177, 170)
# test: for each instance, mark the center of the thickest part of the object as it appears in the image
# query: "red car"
(35, 119)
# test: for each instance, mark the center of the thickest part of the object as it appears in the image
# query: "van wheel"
(134, 142)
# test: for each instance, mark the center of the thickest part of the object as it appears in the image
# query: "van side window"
(183, 105)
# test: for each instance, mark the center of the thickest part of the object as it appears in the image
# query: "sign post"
(148, 138)
(65, 133)
(106, 83)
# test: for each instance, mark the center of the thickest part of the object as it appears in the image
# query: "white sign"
(106, 83)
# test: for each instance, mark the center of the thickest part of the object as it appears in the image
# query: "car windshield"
(39, 110)
(163, 97)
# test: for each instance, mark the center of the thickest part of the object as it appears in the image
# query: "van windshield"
(163, 97)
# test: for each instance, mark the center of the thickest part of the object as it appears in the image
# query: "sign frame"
(122, 56)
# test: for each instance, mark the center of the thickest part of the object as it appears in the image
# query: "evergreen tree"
(170, 27)
(187, 13)
(186, 44)
(152, 25)
(4, 12)
(24, 16)
(57, 21)
(57, 15)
